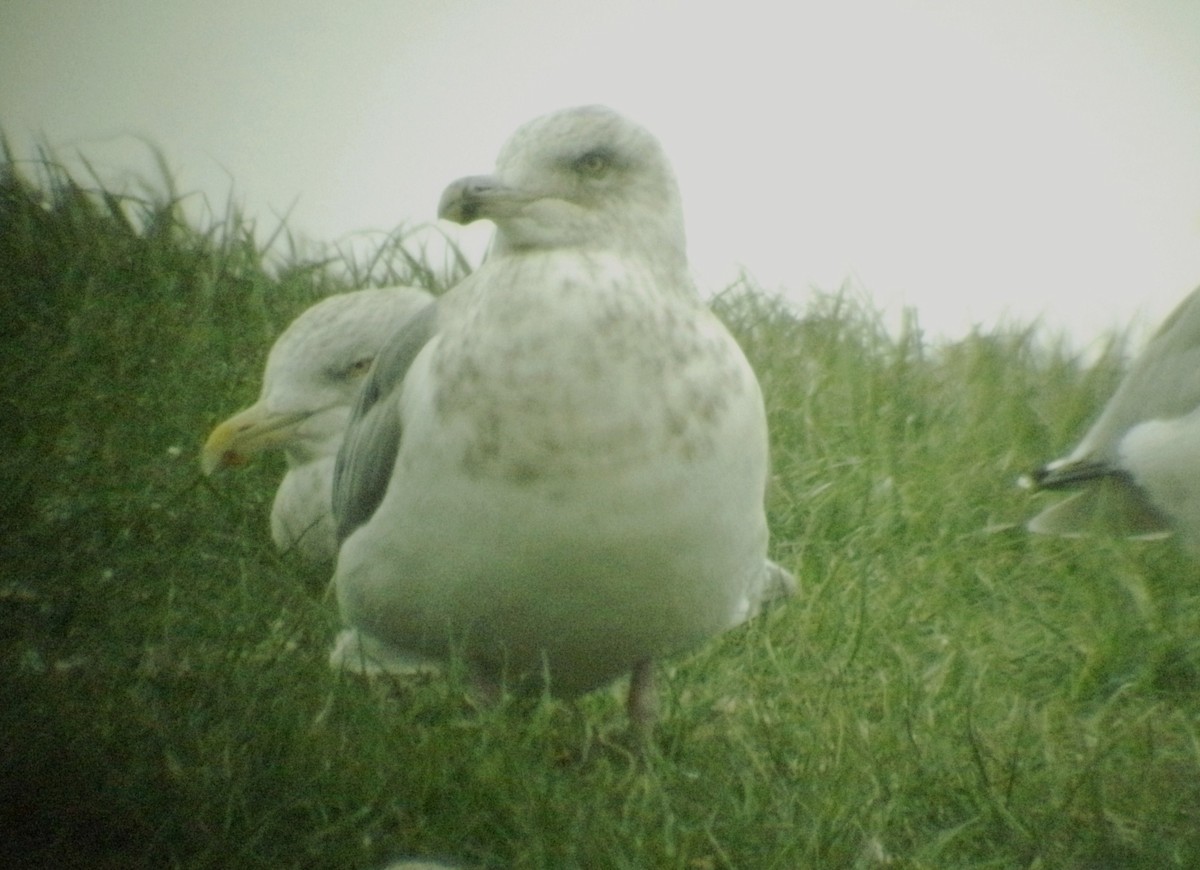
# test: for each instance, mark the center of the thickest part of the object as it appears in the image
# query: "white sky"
(976, 159)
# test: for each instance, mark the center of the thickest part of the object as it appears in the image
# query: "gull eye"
(594, 163)
(359, 367)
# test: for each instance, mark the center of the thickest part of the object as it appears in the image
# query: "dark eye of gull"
(356, 369)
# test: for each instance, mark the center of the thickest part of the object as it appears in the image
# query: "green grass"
(946, 691)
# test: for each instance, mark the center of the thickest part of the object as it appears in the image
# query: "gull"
(311, 379)
(1139, 463)
(557, 471)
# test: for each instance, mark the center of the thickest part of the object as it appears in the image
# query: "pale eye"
(594, 163)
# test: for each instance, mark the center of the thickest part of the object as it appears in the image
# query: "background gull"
(312, 375)
(1139, 463)
(559, 468)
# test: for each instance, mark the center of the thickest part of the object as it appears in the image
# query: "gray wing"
(367, 456)
(1163, 383)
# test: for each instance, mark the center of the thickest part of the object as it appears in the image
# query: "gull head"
(311, 379)
(583, 178)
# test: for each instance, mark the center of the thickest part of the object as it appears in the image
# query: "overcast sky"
(976, 160)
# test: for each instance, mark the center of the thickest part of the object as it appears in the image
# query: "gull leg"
(484, 692)
(643, 701)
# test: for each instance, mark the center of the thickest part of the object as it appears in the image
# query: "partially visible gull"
(557, 471)
(1139, 464)
(312, 376)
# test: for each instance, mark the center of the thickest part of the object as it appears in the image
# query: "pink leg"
(643, 701)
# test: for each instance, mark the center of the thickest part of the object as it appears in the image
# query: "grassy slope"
(945, 692)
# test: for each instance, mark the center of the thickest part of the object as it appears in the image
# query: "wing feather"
(367, 457)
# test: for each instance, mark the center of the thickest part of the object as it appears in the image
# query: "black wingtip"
(1065, 476)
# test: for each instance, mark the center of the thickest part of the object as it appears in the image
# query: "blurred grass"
(945, 692)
